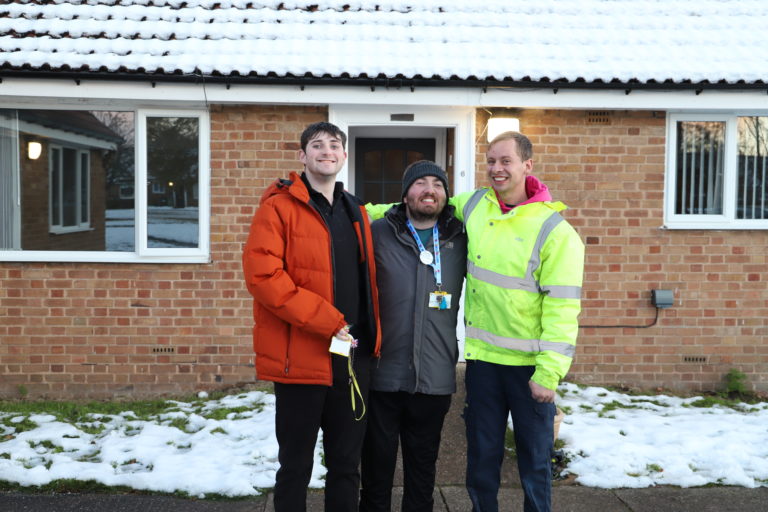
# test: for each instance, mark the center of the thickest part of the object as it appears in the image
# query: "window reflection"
(751, 193)
(58, 199)
(172, 179)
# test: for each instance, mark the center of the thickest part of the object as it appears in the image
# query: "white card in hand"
(340, 347)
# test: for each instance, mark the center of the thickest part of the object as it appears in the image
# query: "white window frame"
(142, 177)
(80, 225)
(142, 253)
(728, 218)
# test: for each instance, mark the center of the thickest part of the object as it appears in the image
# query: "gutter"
(386, 82)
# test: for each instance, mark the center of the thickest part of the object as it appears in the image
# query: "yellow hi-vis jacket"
(524, 276)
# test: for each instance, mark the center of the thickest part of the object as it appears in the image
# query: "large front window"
(717, 172)
(103, 185)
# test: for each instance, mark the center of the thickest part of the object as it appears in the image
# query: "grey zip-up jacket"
(419, 348)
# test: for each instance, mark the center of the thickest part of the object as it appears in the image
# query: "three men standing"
(309, 265)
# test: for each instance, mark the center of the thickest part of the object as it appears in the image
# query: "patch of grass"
(646, 401)
(80, 412)
(48, 445)
(654, 468)
(20, 426)
(614, 405)
(712, 401)
(223, 412)
(180, 423)
(735, 382)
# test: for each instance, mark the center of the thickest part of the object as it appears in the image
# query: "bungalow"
(649, 119)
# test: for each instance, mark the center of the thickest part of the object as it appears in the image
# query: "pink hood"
(536, 191)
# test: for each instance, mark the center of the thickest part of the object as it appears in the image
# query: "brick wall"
(609, 169)
(99, 330)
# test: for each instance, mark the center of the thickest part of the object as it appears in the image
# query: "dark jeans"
(417, 421)
(493, 392)
(301, 410)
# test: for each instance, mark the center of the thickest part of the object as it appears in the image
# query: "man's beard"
(423, 216)
(419, 215)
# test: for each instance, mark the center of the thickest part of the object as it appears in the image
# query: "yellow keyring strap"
(354, 388)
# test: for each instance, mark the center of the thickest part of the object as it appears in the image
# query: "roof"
(567, 42)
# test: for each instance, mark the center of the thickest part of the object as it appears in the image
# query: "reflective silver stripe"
(522, 345)
(562, 292)
(500, 280)
(472, 202)
(546, 228)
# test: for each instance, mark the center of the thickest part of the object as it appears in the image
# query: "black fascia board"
(385, 82)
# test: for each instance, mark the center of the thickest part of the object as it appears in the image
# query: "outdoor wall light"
(34, 150)
(499, 125)
(662, 298)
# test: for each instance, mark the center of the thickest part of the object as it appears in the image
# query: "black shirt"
(348, 289)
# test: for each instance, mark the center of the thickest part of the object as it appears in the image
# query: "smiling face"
(507, 171)
(324, 156)
(425, 199)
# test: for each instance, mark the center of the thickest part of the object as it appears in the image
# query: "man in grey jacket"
(420, 250)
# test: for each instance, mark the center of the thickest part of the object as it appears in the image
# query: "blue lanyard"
(436, 243)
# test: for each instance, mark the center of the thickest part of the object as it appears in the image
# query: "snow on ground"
(166, 227)
(228, 446)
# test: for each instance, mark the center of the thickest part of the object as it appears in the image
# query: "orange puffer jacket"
(289, 272)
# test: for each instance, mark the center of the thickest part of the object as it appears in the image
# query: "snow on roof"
(625, 41)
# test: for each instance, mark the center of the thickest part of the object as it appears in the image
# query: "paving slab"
(574, 498)
(700, 499)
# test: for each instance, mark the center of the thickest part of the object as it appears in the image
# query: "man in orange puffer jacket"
(309, 265)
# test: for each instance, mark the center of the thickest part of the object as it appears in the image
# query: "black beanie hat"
(420, 169)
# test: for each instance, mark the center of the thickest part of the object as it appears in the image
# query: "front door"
(380, 162)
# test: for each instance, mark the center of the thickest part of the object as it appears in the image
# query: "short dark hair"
(523, 143)
(312, 130)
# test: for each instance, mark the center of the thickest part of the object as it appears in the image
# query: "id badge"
(340, 347)
(440, 300)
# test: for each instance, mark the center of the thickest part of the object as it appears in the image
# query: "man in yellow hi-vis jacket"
(525, 266)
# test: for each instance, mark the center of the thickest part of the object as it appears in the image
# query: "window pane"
(55, 188)
(751, 192)
(84, 196)
(62, 189)
(69, 185)
(700, 168)
(119, 212)
(172, 160)
(9, 184)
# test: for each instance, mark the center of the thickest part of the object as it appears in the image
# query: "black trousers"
(417, 421)
(300, 411)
